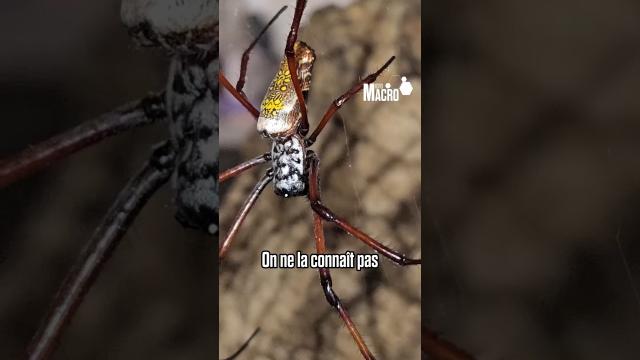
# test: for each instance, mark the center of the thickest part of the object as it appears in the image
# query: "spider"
(188, 158)
(294, 170)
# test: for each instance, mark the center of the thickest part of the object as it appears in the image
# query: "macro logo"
(384, 92)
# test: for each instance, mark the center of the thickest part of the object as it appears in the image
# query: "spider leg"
(246, 53)
(331, 296)
(293, 64)
(237, 90)
(244, 346)
(240, 168)
(37, 157)
(100, 248)
(328, 215)
(337, 103)
(246, 207)
(240, 96)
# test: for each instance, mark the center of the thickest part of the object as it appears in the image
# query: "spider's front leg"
(292, 63)
(237, 91)
(328, 215)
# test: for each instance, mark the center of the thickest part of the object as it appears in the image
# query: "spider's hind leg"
(328, 215)
(331, 296)
(242, 167)
(244, 211)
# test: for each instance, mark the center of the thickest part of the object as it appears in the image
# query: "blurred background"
(370, 174)
(63, 63)
(532, 178)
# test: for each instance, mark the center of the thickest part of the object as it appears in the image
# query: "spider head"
(305, 57)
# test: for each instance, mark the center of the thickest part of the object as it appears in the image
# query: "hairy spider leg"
(246, 207)
(242, 167)
(237, 91)
(328, 215)
(337, 103)
(292, 62)
(331, 296)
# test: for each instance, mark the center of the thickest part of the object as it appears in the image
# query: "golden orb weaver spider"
(230, 261)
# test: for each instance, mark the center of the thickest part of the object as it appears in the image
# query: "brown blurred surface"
(63, 63)
(533, 173)
(370, 174)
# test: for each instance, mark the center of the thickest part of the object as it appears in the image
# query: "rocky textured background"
(370, 174)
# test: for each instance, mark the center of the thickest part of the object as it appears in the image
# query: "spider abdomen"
(280, 111)
(192, 102)
(288, 159)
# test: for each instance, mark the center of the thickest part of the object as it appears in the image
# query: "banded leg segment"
(328, 215)
(244, 211)
(331, 296)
